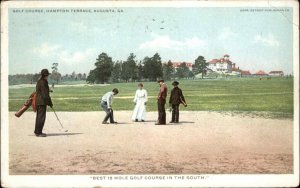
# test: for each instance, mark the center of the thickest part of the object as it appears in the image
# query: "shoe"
(114, 122)
(172, 122)
(41, 135)
(136, 120)
(176, 122)
(160, 124)
(104, 122)
(143, 120)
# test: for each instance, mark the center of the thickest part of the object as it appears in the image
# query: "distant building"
(235, 70)
(222, 65)
(276, 73)
(177, 64)
(245, 73)
(260, 73)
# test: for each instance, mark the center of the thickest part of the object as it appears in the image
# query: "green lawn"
(226, 95)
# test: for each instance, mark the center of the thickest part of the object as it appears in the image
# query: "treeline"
(149, 69)
(73, 77)
(131, 70)
(53, 78)
(23, 79)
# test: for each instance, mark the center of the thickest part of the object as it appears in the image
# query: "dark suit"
(42, 100)
(175, 99)
(161, 101)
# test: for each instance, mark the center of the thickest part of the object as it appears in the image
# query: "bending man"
(106, 102)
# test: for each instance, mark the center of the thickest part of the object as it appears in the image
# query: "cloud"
(165, 42)
(62, 55)
(268, 40)
(75, 58)
(226, 33)
(46, 49)
(161, 42)
(194, 42)
(69, 61)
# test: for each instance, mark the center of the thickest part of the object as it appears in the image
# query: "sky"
(255, 40)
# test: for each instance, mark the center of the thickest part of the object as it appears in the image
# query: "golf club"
(65, 130)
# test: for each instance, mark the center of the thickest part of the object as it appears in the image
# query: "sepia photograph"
(150, 94)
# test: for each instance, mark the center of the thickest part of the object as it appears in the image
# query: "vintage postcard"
(150, 94)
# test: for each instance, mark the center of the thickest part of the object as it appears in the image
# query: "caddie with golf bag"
(43, 100)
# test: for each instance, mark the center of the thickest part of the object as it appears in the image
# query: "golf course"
(241, 95)
(230, 126)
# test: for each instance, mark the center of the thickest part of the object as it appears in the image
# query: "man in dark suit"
(43, 100)
(161, 101)
(175, 99)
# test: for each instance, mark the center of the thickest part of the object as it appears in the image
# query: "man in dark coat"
(175, 99)
(161, 101)
(43, 100)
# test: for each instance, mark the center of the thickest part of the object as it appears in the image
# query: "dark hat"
(45, 72)
(175, 83)
(115, 90)
(161, 80)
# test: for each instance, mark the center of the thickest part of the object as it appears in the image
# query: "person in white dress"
(140, 101)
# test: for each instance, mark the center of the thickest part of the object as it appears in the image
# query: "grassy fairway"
(236, 94)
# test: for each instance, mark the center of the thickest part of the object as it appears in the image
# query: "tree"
(140, 71)
(147, 65)
(129, 68)
(73, 75)
(79, 75)
(182, 71)
(191, 74)
(116, 72)
(55, 74)
(153, 67)
(168, 70)
(91, 79)
(201, 66)
(84, 76)
(103, 70)
(35, 77)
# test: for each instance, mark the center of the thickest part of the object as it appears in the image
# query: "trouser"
(161, 111)
(109, 113)
(40, 119)
(175, 113)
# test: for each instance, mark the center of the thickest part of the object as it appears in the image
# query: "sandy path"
(205, 142)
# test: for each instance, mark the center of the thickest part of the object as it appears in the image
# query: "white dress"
(139, 111)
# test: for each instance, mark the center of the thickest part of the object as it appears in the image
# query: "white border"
(288, 180)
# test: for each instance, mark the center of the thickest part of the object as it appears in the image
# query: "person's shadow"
(61, 134)
(186, 122)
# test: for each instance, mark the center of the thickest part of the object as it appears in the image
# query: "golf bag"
(27, 104)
